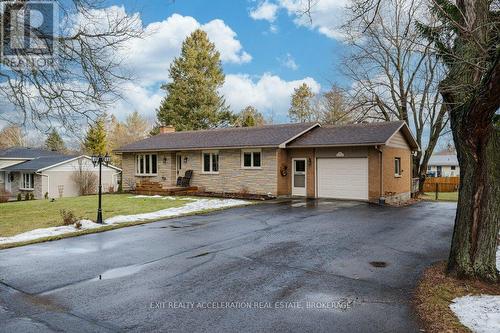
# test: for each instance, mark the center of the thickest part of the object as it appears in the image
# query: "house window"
(453, 167)
(210, 162)
(251, 159)
(146, 164)
(397, 166)
(27, 181)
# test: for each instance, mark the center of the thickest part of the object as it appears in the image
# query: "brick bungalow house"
(359, 162)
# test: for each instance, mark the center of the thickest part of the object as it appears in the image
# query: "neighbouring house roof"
(46, 162)
(355, 134)
(235, 137)
(443, 160)
(36, 164)
(27, 153)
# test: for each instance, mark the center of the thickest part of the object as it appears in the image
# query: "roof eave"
(365, 144)
(151, 150)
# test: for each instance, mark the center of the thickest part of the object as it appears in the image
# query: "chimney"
(167, 129)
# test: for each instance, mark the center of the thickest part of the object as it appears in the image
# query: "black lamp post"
(98, 160)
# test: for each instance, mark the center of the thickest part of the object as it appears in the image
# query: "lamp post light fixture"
(99, 160)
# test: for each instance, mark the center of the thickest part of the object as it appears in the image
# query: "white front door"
(299, 177)
(180, 164)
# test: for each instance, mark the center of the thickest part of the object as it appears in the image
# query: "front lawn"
(436, 291)
(442, 196)
(22, 216)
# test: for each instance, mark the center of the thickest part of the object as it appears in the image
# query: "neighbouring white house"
(443, 166)
(49, 173)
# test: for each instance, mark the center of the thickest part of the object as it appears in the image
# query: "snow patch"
(481, 314)
(195, 205)
(498, 258)
(47, 232)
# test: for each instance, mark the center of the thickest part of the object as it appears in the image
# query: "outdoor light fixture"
(185, 159)
(164, 160)
(99, 160)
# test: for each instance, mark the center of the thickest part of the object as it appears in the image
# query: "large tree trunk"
(477, 224)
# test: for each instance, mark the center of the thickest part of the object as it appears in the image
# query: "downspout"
(381, 199)
(48, 183)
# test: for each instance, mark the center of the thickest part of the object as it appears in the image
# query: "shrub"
(46, 195)
(32, 196)
(111, 189)
(68, 217)
(19, 197)
(27, 196)
(85, 179)
(4, 196)
(78, 225)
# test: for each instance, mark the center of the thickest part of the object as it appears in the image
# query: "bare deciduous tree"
(396, 73)
(12, 136)
(87, 73)
(334, 107)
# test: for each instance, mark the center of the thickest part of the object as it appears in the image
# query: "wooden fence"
(441, 184)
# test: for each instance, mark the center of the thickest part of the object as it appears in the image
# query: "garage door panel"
(343, 178)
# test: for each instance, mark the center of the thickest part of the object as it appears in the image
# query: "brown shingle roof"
(355, 134)
(264, 136)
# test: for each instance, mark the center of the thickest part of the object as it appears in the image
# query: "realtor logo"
(28, 30)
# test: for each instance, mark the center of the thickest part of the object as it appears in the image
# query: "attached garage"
(342, 178)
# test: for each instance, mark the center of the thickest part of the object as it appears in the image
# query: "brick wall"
(284, 182)
(374, 158)
(397, 188)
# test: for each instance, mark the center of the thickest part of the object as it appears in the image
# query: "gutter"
(381, 199)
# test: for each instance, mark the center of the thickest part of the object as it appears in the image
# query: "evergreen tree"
(301, 110)
(249, 117)
(192, 100)
(55, 142)
(96, 139)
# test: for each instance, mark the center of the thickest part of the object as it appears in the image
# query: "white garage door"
(343, 178)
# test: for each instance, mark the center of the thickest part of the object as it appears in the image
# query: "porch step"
(166, 191)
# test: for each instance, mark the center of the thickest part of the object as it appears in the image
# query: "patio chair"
(186, 180)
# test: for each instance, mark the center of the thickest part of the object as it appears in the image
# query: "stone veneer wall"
(166, 170)
(232, 178)
(16, 184)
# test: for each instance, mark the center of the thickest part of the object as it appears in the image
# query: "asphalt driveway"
(297, 266)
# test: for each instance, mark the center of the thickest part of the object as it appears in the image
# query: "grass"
(435, 293)
(442, 196)
(22, 216)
